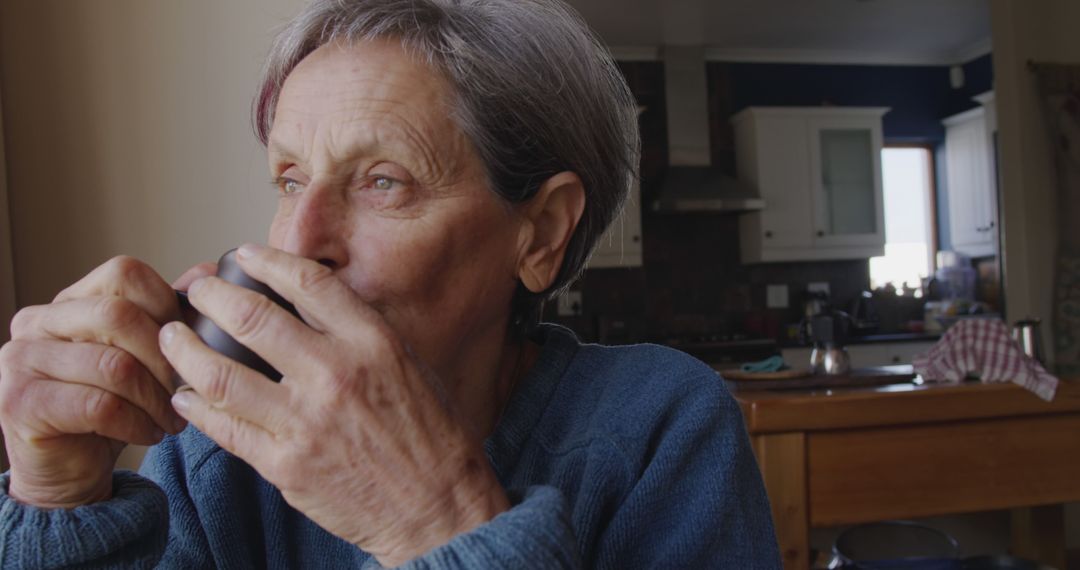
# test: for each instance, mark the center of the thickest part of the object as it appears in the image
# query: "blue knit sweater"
(613, 457)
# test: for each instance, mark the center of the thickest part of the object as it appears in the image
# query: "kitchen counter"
(875, 339)
(894, 337)
(868, 354)
(854, 455)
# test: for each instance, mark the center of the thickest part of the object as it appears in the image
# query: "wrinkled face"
(377, 181)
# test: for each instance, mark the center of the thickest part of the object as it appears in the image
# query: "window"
(907, 174)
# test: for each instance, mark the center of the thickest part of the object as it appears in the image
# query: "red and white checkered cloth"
(985, 348)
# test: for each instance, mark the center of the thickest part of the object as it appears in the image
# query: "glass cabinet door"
(847, 175)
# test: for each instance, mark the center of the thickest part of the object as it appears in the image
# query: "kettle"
(814, 303)
(829, 332)
(864, 315)
(1026, 333)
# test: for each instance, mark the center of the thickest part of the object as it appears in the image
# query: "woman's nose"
(316, 228)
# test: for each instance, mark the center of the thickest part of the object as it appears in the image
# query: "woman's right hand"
(84, 376)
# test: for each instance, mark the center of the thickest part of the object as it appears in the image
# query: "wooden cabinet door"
(787, 153)
(845, 182)
(971, 199)
(782, 180)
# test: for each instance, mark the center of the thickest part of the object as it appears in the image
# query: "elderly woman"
(443, 166)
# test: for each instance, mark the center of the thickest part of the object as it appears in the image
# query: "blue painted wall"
(919, 96)
(978, 79)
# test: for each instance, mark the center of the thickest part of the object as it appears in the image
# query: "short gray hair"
(536, 93)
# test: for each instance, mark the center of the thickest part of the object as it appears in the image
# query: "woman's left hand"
(355, 436)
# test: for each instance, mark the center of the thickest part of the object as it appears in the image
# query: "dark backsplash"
(692, 283)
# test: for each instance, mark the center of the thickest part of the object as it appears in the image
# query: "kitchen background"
(691, 280)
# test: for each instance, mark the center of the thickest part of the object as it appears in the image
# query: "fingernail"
(249, 250)
(182, 401)
(167, 333)
(195, 286)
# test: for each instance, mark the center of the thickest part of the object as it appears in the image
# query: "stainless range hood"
(691, 183)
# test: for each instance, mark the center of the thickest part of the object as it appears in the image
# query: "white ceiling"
(937, 32)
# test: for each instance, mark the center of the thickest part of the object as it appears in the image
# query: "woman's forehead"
(363, 77)
(361, 94)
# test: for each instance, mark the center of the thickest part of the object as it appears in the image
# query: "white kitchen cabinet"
(819, 173)
(970, 173)
(620, 246)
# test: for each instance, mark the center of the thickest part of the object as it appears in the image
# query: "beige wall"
(7, 275)
(1039, 30)
(127, 130)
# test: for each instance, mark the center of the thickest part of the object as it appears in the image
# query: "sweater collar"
(527, 404)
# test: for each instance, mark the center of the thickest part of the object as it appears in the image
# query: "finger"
(199, 271)
(131, 279)
(102, 367)
(327, 303)
(259, 324)
(224, 383)
(188, 313)
(63, 408)
(113, 321)
(235, 435)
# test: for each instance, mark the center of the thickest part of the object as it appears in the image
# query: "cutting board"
(789, 374)
(877, 376)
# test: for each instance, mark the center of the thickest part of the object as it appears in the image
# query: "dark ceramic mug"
(219, 340)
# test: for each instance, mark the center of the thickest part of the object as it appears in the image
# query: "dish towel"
(985, 348)
(771, 364)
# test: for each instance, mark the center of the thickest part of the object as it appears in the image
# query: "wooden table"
(854, 455)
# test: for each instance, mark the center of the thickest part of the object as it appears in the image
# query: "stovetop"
(724, 349)
(737, 340)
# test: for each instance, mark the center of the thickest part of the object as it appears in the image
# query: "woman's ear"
(550, 219)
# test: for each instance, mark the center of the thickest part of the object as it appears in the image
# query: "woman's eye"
(290, 187)
(382, 183)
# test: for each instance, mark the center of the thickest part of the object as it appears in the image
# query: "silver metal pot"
(1027, 333)
(830, 361)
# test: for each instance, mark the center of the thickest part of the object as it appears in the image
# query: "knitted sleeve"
(127, 531)
(535, 533)
(188, 546)
(699, 500)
